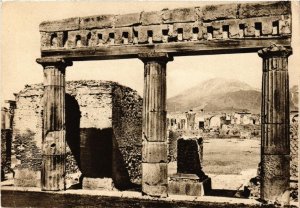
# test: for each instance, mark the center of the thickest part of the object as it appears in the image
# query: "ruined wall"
(91, 131)
(127, 125)
(27, 136)
(294, 141)
(6, 136)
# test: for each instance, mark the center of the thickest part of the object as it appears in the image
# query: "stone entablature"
(237, 21)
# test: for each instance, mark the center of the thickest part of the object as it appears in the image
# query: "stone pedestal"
(190, 155)
(275, 143)
(154, 154)
(190, 179)
(54, 133)
(188, 184)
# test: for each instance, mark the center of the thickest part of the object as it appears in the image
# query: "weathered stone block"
(126, 20)
(97, 184)
(218, 12)
(155, 152)
(45, 40)
(60, 37)
(119, 35)
(97, 22)
(155, 174)
(156, 30)
(93, 38)
(155, 190)
(190, 156)
(60, 25)
(179, 15)
(285, 25)
(247, 10)
(249, 28)
(266, 25)
(151, 18)
(27, 178)
(188, 184)
(234, 28)
(71, 42)
(101, 33)
(187, 29)
(217, 34)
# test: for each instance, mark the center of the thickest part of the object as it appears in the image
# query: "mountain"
(222, 95)
(215, 95)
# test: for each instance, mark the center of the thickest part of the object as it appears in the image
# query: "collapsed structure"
(155, 38)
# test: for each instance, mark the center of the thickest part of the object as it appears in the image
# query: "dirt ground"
(230, 163)
(230, 156)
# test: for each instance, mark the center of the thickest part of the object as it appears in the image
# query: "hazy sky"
(21, 46)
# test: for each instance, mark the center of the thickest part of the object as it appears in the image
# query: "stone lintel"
(57, 62)
(275, 50)
(158, 57)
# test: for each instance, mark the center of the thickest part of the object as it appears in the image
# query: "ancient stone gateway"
(155, 38)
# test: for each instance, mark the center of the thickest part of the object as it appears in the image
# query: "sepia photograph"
(142, 104)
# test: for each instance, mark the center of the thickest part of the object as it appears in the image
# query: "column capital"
(58, 62)
(153, 56)
(275, 51)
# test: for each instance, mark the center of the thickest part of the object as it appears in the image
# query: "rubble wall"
(294, 150)
(92, 130)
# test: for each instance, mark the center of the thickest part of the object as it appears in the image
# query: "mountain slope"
(216, 94)
(223, 95)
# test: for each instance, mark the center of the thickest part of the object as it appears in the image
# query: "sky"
(20, 46)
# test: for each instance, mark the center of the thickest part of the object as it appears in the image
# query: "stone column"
(275, 150)
(53, 141)
(154, 153)
(190, 117)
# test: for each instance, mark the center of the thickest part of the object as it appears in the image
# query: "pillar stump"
(189, 179)
(54, 133)
(275, 151)
(154, 153)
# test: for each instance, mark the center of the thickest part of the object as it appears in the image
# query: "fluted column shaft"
(54, 133)
(275, 151)
(154, 153)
